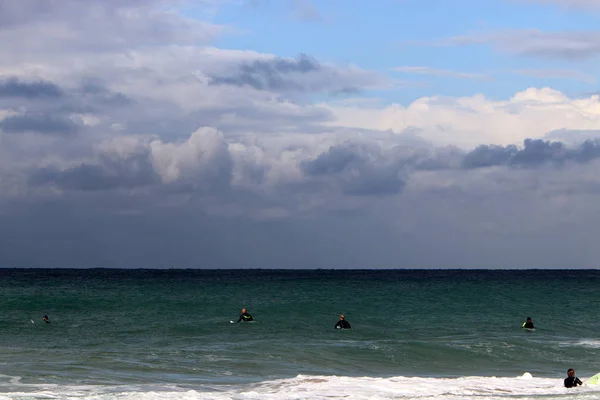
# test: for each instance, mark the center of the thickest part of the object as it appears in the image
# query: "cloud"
(122, 127)
(557, 73)
(305, 10)
(573, 136)
(575, 4)
(489, 76)
(38, 123)
(203, 157)
(535, 152)
(111, 169)
(468, 121)
(71, 25)
(12, 87)
(442, 72)
(567, 45)
(303, 74)
(359, 170)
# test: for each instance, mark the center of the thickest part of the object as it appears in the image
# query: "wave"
(317, 387)
(586, 343)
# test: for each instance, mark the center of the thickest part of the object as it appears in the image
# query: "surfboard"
(593, 380)
(529, 329)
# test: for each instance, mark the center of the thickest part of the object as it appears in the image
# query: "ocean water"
(416, 334)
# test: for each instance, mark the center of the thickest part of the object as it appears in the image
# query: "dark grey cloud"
(87, 96)
(302, 74)
(269, 74)
(333, 161)
(385, 181)
(107, 173)
(410, 157)
(39, 123)
(447, 157)
(75, 237)
(13, 87)
(535, 152)
(493, 223)
(489, 156)
(96, 92)
(359, 170)
(398, 231)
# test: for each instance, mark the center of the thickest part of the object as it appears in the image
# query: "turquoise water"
(130, 328)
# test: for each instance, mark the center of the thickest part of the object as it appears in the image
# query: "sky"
(300, 134)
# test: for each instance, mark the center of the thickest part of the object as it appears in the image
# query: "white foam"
(323, 387)
(588, 343)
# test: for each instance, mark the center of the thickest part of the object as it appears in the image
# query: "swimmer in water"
(528, 324)
(342, 323)
(244, 316)
(571, 380)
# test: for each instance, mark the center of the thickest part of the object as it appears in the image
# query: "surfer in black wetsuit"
(528, 324)
(45, 319)
(571, 380)
(342, 323)
(245, 316)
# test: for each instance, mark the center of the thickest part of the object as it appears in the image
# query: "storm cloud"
(38, 123)
(535, 152)
(13, 87)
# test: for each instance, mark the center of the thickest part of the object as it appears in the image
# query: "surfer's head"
(570, 372)
(342, 317)
(243, 311)
(528, 319)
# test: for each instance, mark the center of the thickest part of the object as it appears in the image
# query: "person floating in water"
(528, 324)
(342, 323)
(45, 319)
(571, 380)
(245, 316)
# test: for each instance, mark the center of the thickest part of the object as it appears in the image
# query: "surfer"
(342, 323)
(45, 319)
(571, 380)
(528, 324)
(245, 316)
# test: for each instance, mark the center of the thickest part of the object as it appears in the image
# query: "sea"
(416, 334)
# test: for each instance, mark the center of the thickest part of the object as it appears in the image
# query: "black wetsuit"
(572, 381)
(528, 325)
(245, 317)
(342, 324)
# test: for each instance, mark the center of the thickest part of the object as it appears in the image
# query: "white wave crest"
(320, 388)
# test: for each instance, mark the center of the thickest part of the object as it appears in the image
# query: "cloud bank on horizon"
(299, 134)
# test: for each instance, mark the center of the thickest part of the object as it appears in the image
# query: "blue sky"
(385, 34)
